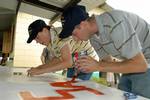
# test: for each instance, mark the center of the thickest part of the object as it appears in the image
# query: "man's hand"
(34, 71)
(87, 64)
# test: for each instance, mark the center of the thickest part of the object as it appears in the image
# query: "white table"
(11, 87)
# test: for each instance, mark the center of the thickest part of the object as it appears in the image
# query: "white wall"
(139, 7)
(26, 55)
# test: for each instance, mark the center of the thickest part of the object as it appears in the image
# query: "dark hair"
(48, 27)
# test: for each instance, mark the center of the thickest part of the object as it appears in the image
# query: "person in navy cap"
(118, 34)
(57, 55)
(68, 26)
(58, 50)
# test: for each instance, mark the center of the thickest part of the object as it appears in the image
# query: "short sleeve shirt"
(122, 35)
(75, 46)
(56, 45)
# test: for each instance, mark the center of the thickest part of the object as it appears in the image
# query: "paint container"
(17, 73)
(77, 55)
(82, 53)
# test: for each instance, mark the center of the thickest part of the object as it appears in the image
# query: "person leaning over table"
(58, 52)
(115, 33)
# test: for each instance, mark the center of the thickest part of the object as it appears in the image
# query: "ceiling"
(7, 13)
(50, 9)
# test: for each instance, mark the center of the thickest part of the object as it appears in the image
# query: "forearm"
(51, 67)
(128, 66)
(55, 64)
(50, 63)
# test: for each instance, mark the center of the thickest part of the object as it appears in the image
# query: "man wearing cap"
(40, 32)
(115, 33)
(58, 51)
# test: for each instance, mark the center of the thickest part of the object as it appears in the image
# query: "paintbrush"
(75, 58)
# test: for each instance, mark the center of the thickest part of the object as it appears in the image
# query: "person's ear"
(44, 29)
(83, 23)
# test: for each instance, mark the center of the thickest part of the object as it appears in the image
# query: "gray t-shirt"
(122, 35)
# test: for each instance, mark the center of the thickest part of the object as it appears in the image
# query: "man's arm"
(135, 65)
(55, 64)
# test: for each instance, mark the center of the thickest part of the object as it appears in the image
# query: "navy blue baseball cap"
(34, 28)
(71, 17)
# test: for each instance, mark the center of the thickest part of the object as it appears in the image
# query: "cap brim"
(29, 40)
(32, 36)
